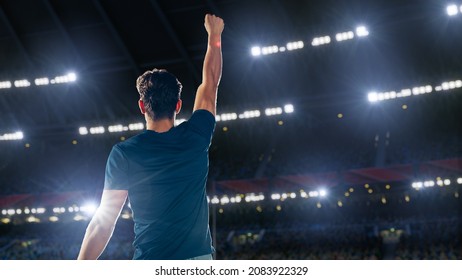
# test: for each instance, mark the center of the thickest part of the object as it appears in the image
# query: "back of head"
(160, 91)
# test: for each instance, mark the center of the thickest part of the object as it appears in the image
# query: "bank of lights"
(418, 90)
(42, 81)
(432, 183)
(361, 31)
(82, 212)
(453, 10)
(12, 136)
(256, 197)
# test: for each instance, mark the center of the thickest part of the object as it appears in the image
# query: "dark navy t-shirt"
(165, 175)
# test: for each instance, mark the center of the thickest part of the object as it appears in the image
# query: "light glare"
(361, 31)
(452, 10)
(256, 51)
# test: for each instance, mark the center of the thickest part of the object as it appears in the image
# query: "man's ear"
(178, 106)
(141, 105)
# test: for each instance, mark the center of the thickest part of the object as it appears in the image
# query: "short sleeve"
(116, 177)
(203, 123)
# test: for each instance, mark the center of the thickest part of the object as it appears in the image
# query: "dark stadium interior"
(369, 157)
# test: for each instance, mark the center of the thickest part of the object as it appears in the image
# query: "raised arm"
(101, 226)
(206, 96)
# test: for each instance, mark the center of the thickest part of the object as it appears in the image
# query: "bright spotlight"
(83, 130)
(289, 108)
(256, 51)
(12, 136)
(361, 31)
(97, 130)
(322, 193)
(373, 97)
(89, 208)
(41, 81)
(21, 83)
(72, 77)
(452, 10)
(136, 126)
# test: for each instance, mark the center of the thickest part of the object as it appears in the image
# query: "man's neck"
(160, 126)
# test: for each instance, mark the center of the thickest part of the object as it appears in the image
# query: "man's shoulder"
(202, 122)
(129, 143)
(203, 114)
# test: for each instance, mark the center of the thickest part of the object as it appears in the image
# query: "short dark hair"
(160, 91)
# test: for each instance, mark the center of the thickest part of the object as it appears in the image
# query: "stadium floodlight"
(97, 130)
(68, 78)
(313, 194)
(83, 130)
(422, 90)
(42, 81)
(5, 84)
(318, 41)
(256, 51)
(361, 31)
(117, 128)
(372, 97)
(452, 10)
(269, 50)
(228, 117)
(275, 196)
(41, 210)
(447, 182)
(22, 83)
(429, 184)
(273, 111)
(215, 200)
(250, 114)
(18, 135)
(459, 181)
(224, 200)
(322, 193)
(89, 208)
(417, 185)
(288, 108)
(251, 197)
(295, 45)
(11, 212)
(136, 126)
(343, 36)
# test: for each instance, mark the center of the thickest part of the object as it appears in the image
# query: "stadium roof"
(108, 44)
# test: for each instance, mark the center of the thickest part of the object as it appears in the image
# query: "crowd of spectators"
(429, 228)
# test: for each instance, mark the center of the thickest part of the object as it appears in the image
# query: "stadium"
(338, 129)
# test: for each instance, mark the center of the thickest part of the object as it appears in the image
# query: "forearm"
(96, 238)
(213, 62)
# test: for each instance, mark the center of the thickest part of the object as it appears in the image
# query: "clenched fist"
(213, 24)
